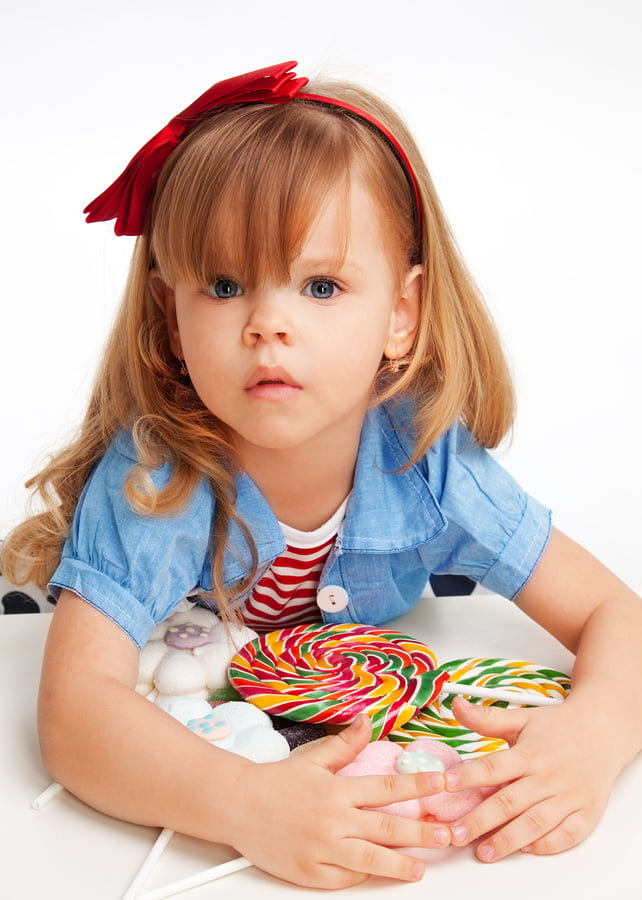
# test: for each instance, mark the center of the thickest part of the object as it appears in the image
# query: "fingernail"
(452, 780)
(486, 852)
(436, 781)
(418, 871)
(527, 849)
(359, 722)
(441, 837)
(460, 834)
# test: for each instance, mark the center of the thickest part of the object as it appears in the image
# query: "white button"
(332, 598)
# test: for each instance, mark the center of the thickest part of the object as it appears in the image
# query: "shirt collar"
(388, 510)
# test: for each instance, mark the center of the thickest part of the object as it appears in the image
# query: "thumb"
(336, 751)
(490, 721)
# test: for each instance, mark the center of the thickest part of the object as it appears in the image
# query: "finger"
(538, 825)
(338, 750)
(330, 878)
(491, 721)
(381, 790)
(569, 833)
(505, 806)
(399, 831)
(491, 770)
(373, 859)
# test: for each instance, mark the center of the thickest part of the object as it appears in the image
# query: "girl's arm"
(126, 757)
(563, 759)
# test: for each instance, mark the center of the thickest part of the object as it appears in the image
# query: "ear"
(165, 299)
(404, 320)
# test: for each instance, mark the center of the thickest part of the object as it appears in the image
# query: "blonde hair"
(240, 194)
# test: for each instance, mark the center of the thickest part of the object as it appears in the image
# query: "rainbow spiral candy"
(331, 673)
(436, 719)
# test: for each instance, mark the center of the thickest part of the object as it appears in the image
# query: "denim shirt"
(456, 511)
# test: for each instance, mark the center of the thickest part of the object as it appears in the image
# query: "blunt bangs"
(240, 196)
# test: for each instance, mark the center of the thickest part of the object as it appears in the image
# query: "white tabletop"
(68, 850)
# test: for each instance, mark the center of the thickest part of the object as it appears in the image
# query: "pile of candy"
(331, 673)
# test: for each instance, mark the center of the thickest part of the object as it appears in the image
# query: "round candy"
(436, 720)
(332, 673)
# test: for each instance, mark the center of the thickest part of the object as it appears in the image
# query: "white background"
(529, 114)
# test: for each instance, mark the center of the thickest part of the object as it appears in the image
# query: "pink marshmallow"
(379, 758)
(446, 806)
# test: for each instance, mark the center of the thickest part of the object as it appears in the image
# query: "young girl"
(302, 369)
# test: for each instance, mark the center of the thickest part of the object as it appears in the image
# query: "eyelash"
(336, 288)
(221, 280)
(225, 281)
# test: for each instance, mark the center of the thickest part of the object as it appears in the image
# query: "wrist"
(230, 794)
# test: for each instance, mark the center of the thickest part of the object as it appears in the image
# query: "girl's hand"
(299, 821)
(554, 780)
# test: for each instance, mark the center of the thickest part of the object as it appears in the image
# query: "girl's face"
(291, 366)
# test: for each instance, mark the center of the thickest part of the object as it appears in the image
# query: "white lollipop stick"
(200, 878)
(519, 697)
(48, 794)
(152, 858)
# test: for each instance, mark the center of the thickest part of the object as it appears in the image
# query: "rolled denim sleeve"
(134, 568)
(496, 532)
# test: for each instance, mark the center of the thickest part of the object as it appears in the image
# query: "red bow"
(127, 199)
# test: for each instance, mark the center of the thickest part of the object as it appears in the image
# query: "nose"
(268, 318)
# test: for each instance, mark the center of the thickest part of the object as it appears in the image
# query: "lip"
(271, 382)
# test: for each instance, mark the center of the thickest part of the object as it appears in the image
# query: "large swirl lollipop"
(492, 682)
(331, 673)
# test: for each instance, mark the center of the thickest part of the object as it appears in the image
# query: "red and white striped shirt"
(286, 594)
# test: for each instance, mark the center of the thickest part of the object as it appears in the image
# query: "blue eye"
(224, 289)
(322, 289)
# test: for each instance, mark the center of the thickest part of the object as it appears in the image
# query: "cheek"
(353, 360)
(208, 363)
(364, 332)
(203, 340)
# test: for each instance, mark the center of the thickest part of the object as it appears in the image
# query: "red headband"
(127, 199)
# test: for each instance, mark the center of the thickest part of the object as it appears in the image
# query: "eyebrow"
(324, 263)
